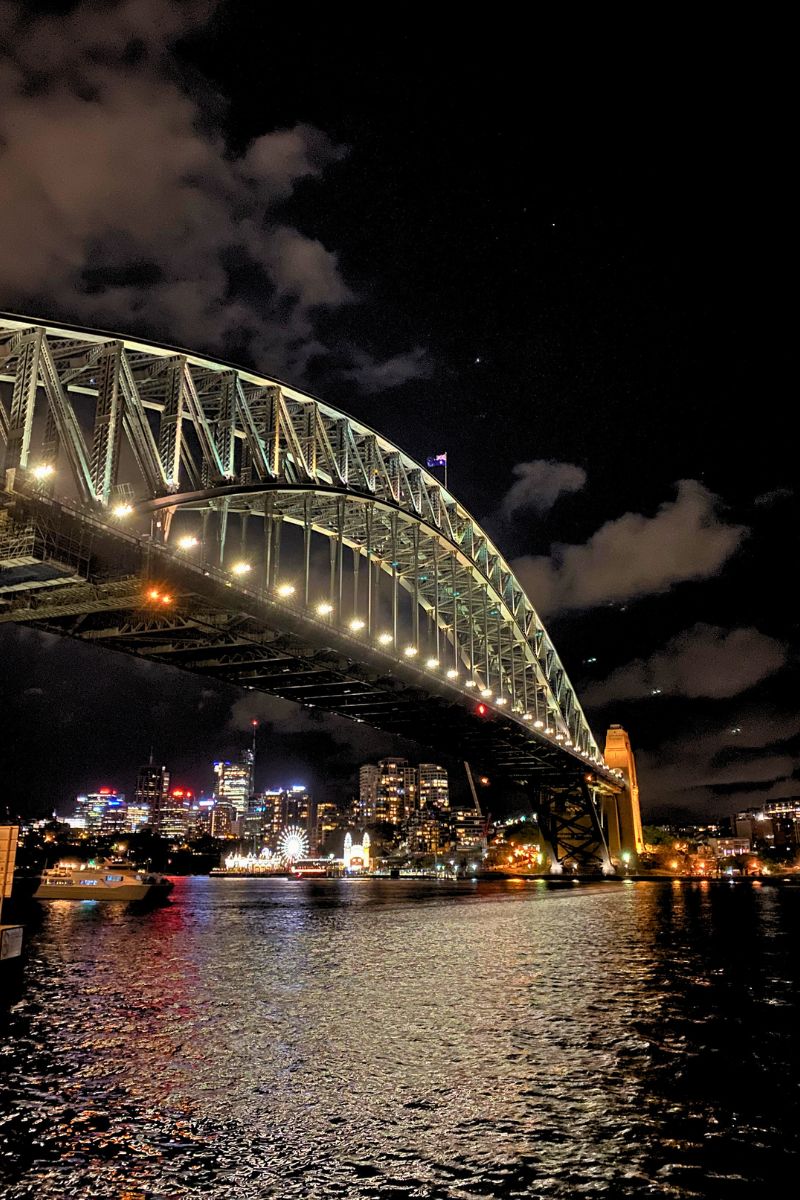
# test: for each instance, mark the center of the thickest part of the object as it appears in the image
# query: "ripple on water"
(260, 1038)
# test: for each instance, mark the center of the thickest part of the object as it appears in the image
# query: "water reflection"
(331, 1038)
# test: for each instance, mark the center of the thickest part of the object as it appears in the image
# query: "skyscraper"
(391, 801)
(235, 782)
(368, 779)
(152, 791)
(433, 786)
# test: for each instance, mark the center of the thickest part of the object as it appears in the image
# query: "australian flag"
(438, 460)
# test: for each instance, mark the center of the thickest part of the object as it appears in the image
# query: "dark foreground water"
(391, 1039)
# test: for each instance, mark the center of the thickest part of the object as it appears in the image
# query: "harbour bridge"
(165, 505)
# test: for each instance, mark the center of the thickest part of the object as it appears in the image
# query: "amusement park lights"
(42, 471)
(240, 568)
(188, 542)
(325, 609)
(292, 844)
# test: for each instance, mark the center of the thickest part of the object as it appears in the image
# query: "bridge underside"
(85, 580)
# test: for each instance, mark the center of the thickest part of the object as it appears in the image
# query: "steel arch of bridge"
(233, 445)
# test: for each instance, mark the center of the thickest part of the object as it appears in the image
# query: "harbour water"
(390, 1038)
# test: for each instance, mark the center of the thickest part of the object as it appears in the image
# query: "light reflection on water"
(406, 1039)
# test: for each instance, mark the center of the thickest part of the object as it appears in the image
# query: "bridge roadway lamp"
(188, 542)
(325, 609)
(285, 590)
(240, 568)
(384, 638)
(432, 664)
(122, 510)
(43, 471)
(356, 624)
(410, 651)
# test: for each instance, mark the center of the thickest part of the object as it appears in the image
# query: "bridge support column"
(572, 833)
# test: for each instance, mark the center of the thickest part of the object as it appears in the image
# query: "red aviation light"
(481, 710)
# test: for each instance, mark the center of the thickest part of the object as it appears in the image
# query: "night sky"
(566, 271)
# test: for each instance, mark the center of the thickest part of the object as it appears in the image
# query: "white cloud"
(634, 555)
(539, 484)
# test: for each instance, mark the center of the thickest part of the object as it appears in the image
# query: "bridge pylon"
(622, 816)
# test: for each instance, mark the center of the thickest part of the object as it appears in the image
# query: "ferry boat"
(100, 881)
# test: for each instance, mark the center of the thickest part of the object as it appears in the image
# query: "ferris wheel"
(292, 844)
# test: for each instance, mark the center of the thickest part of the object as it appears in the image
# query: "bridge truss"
(128, 462)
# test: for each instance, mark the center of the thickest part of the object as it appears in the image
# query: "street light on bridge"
(43, 470)
(324, 609)
(240, 568)
(188, 542)
(356, 624)
(384, 638)
(285, 589)
(122, 510)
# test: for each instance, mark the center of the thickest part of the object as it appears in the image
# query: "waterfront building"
(368, 780)
(469, 829)
(235, 782)
(138, 817)
(426, 832)
(90, 808)
(356, 856)
(223, 816)
(391, 800)
(151, 793)
(728, 847)
(411, 788)
(114, 818)
(174, 816)
(198, 816)
(283, 807)
(327, 822)
(756, 825)
(433, 786)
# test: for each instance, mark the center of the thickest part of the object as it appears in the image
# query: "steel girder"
(254, 446)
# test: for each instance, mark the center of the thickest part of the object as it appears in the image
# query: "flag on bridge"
(438, 460)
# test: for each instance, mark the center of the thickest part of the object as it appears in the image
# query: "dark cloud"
(539, 484)
(372, 375)
(110, 161)
(704, 661)
(634, 555)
